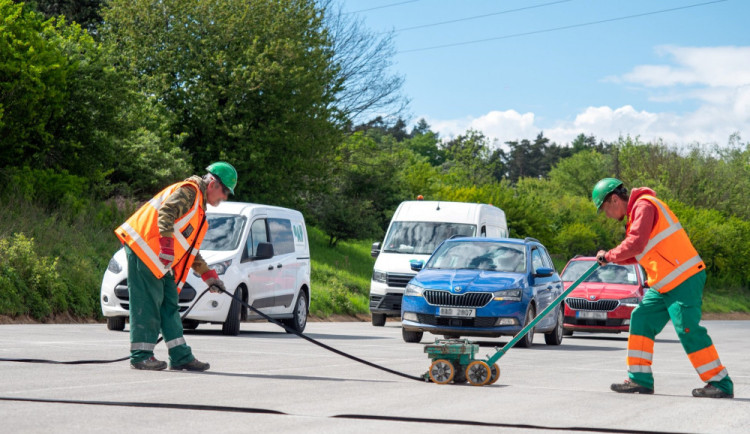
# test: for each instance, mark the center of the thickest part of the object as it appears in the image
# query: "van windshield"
(422, 238)
(224, 232)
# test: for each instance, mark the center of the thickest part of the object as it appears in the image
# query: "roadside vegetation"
(102, 109)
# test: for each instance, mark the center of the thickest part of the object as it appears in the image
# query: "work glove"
(166, 251)
(212, 280)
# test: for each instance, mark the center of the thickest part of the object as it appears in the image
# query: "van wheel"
(378, 319)
(527, 340)
(299, 319)
(189, 324)
(231, 326)
(410, 336)
(116, 323)
(555, 337)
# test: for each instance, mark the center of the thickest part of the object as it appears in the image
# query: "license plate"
(591, 315)
(457, 312)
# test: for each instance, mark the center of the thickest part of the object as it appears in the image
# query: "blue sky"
(675, 70)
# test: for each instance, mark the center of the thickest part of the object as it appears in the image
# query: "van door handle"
(278, 266)
(270, 267)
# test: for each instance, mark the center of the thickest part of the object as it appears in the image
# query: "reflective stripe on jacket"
(669, 257)
(141, 233)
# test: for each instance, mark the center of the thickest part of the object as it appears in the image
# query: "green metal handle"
(539, 317)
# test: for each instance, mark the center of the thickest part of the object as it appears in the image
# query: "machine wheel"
(555, 337)
(378, 319)
(494, 373)
(231, 326)
(299, 320)
(527, 340)
(478, 373)
(410, 336)
(189, 324)
(441, 371)
(116, 323)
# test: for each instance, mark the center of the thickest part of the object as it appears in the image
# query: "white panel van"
(416, 229)
(262, 254)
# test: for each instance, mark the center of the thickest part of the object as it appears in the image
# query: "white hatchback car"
(260, 252)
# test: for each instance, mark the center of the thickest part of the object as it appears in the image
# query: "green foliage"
(29, 283)
(251, 83)
(575, 239)
(51, 260)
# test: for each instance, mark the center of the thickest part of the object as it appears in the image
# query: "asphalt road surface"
(268, 381)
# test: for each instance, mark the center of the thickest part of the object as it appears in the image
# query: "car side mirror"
(264, 251)
(375, 250)
(544, 272)
(416, 264)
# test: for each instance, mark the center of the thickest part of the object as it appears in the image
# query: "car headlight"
(114, 266)
(378, 276)
(508, 295)
(630, 302)
(413, 290)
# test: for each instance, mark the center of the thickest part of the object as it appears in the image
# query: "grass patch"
(340, 276)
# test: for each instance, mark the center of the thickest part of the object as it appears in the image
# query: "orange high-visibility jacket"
(669, 257)
(141, 233)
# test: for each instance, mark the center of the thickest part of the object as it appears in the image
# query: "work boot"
(194, 365)
(628, 386)
(150, 364)
(710, 391)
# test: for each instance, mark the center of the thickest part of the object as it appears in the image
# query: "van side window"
(484, 231)
(258, 234)
(281, 236)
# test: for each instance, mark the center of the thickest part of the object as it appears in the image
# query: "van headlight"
(630, 302)
(219, 267)
(378, 276)
(114, 266)
(507, 295)
(413, 290)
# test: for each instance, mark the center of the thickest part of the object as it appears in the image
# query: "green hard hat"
(225, 172)
(602, 189)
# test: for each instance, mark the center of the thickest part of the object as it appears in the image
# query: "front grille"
(445, 298)
(609, 322)
(186, 295)
(387, 302)
(600, 305)
(456, 322)
(126, 306)
(397, 280)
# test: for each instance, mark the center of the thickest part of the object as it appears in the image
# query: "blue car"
(487, 287)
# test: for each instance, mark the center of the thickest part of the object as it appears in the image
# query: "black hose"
(268, 318)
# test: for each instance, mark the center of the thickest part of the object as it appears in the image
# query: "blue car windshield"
(610, 273)
(224, 232)
(479, 255)
(421, 238)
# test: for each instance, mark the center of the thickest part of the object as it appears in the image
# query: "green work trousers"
(683, 306)
(154, 308)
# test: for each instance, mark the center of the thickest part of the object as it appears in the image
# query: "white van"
(416, 229)
(260, 252)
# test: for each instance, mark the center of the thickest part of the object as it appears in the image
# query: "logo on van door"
(299, 234)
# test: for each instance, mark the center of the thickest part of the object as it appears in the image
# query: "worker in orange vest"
(162, 241)
(676, 273)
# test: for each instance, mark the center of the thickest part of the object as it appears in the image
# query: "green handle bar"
(539, 317)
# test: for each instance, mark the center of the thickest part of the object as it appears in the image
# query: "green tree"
(60, 99)
(253, 83)
(83, 12)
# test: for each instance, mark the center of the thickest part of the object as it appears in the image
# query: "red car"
(603, 302)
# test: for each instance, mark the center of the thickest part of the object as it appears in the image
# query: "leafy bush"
(29, 283)
(575, 239)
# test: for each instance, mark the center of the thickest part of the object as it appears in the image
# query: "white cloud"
(717, 77)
